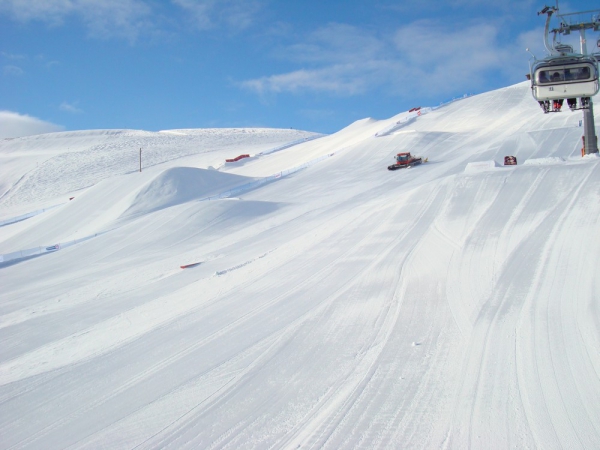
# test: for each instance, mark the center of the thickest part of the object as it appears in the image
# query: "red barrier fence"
(237, 158)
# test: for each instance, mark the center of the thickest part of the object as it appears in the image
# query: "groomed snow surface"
(330, 304)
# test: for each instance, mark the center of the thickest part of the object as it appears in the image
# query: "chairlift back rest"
(571, 73)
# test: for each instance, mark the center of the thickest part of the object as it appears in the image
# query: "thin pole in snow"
(140, 159)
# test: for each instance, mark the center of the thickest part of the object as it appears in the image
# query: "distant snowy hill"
(329, 303)
(53, 166)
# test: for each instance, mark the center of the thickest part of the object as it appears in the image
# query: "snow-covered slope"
(335, 304)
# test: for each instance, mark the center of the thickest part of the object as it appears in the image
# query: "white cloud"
(70, 108)
(14, 125)
(421, 58)
(104, 18)
(342, 59)
(339, 79)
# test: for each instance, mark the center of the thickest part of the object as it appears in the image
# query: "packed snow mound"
(544, 161)
(481, 166)
(180, 185)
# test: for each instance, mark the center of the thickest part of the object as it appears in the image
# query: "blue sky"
(312, 65)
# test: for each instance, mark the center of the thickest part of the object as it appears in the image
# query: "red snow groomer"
(405, 160)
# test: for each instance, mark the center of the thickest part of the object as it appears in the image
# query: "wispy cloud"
(104, 18)
(129, 19)
(11, 70)
(510, 7)
(339, 79)
(442, 58)
(337, 58)
(207, 14)
(13, 56)
(70, 108)
(14, 125)
(424, 58)
(336, 43)
(44, 61)
(500, 5)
